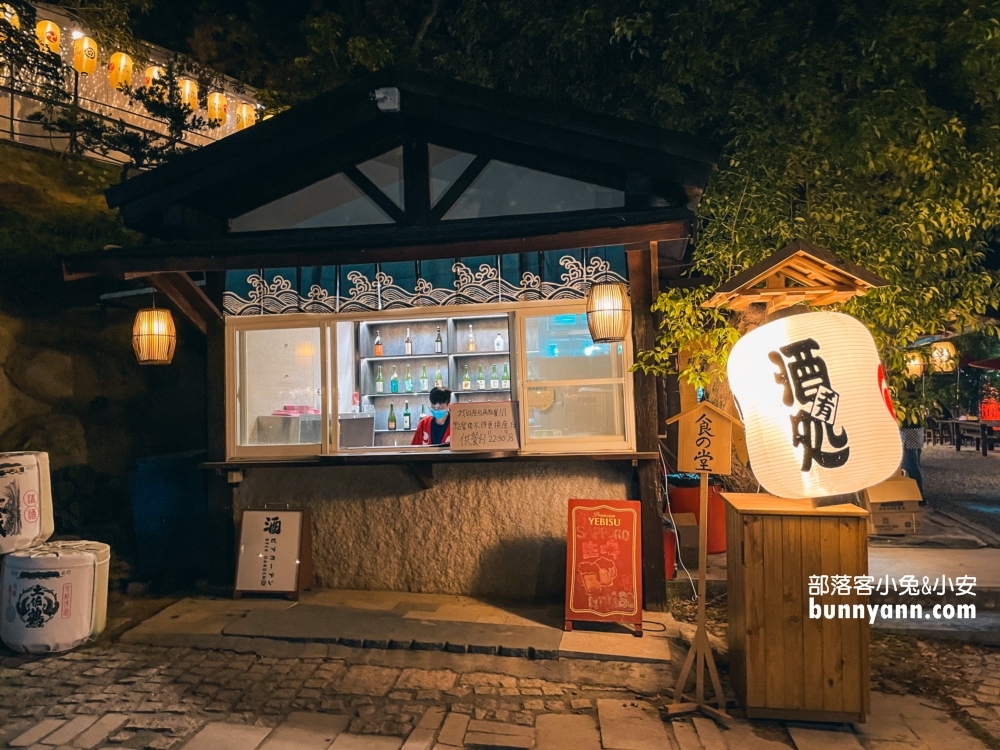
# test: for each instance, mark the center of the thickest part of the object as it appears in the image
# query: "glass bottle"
(438, 378)
(422, 412)
(466, 382)
(480, 380)
(394, 381)
(494, 380)
(379, 384)
(408, 382)
(505, 380)
(470, 345)
(408, 344)
(438, 343)
(423, 378)
(498, 343)
(392, 416)
(378, 343)
(406, 415)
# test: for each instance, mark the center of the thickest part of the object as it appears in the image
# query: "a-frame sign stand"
(704, 446)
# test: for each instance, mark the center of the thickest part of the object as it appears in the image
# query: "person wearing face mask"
(435, 428)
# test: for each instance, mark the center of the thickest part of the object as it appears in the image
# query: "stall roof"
(225, 205)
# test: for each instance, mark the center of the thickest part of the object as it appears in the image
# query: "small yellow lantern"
(609, 311)
(915, 365)
(120, 70)
(154, 337)
(245, 116)
(188, 90)
(48, 36)
(218, 107)
(10, 17)
(943, 356)
(85, 56)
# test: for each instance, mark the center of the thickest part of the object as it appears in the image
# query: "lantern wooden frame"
(609, 312)
(154, 336)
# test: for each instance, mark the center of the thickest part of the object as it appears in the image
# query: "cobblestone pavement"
(126, 696)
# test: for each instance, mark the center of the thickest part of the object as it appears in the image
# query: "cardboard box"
(687, 533)
(894, 523)
(897, 494)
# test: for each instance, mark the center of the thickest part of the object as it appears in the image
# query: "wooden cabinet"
(784, 664)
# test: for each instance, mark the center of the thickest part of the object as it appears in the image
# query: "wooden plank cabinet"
(782, 663)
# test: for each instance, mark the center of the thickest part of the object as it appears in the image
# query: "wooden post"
(704, 446)
(654, 577)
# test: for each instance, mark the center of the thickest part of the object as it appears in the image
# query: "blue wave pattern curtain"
(551, 275)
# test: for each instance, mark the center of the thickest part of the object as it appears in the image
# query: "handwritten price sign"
(483, 426)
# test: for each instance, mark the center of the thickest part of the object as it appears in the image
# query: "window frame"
(329, 395)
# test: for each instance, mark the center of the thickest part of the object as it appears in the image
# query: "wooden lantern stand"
(704, 446)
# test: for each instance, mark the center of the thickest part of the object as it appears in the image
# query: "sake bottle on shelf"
(423, 413)
(394, 381)
(466, 382)
(408, 344)
(498, 343)
(470, 345)
(438, 342)
(494, 380)
(406, 415)
(505, 380)
(379, 384)
(378, 343)
(423, 378)
(438, 378)
(392, 416)
(408, 382)
(480, 380)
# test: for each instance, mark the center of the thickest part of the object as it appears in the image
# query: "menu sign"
(483, 426)
(269, 551)
(603, 562)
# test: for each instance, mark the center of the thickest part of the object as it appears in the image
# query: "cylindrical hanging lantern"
(10, 16)
(154, 337)
(609, 312)
(188, 90)
(914, 365)
(943, 357)
(245, 116)
(218, 107)
(85, 56)
(48, 36)
(120, 70)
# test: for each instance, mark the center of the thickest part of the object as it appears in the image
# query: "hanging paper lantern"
(815, 404)
(188, 90)
(150, 74)
(48, 36)
(943, 357)
(245, 116)
(914, 365)
(609, 311)
(11, 17)
(120, 70)
(85, 56)
(218, 107)
(154, 336)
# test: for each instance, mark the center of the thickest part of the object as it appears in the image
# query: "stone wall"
(487, 529)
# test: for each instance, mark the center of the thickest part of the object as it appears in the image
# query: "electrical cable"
(680, 558)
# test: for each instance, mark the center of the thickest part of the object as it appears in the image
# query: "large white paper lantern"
(815, 404)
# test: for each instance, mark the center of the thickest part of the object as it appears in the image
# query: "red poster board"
(603, 563)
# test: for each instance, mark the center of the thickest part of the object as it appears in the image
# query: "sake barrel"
(55, 596)
(25, 501)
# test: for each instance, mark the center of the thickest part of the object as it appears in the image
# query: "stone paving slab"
(562, 731)
(378, 629)
(69, 731)
(99, 732)
(35, 735)
(219, 736)
(306, 731)
(366, 742)
(631, 725)
(486, 741)
(823, 739)
(453, 731)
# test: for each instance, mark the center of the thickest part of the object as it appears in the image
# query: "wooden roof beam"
(187, 297)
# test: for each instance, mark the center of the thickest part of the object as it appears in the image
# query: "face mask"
(439, 413)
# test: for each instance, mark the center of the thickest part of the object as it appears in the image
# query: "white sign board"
(483, 426)
(815, 405)
(269, 551)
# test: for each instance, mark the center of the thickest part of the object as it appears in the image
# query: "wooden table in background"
(784, 665)
(982, 431)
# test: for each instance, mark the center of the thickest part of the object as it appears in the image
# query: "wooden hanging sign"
(705, 439)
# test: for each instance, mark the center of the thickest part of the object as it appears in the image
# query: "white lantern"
(815, 404)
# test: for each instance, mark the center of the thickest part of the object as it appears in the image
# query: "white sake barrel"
(25, 501)
(55, 596)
